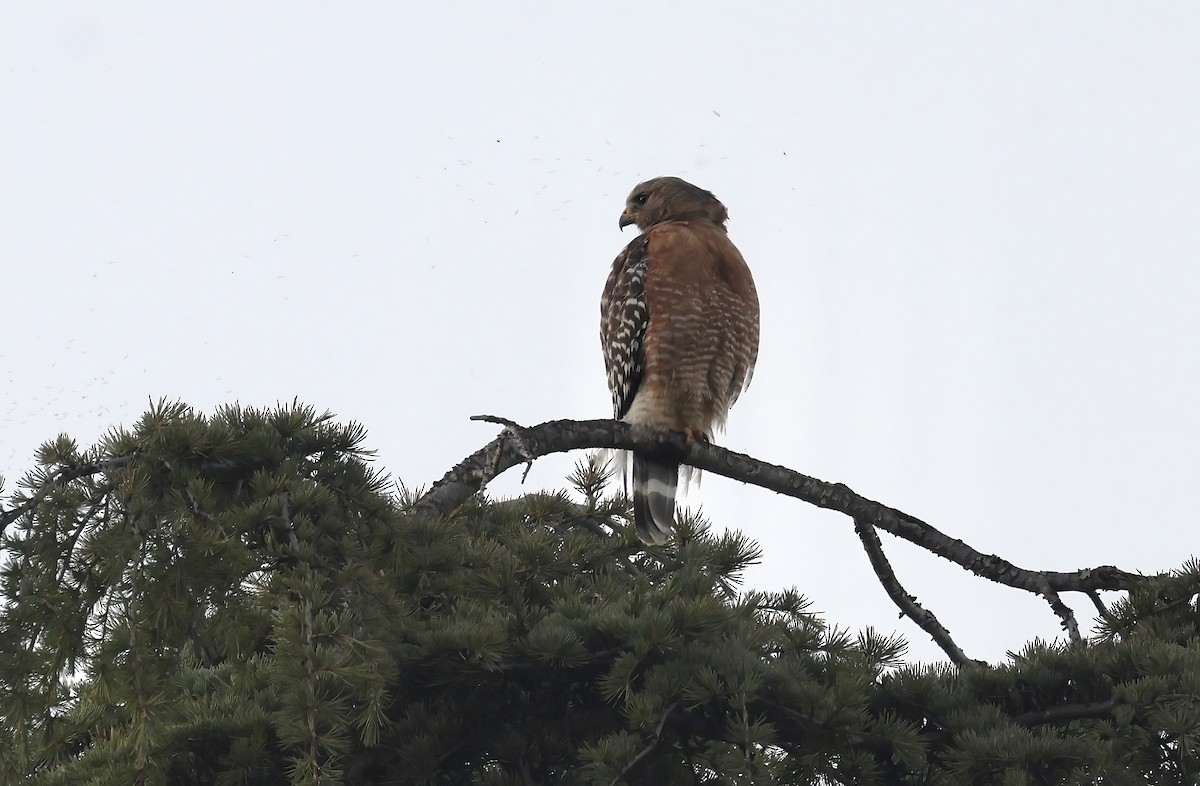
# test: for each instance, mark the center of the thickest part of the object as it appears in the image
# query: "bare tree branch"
(1064, 613)
(513, 430)
(907, 603)
(1100, 607)
(1067, 712)
(559, 436)
(649, 748)
(499, 421)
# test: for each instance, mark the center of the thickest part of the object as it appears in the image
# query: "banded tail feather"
(654, 484)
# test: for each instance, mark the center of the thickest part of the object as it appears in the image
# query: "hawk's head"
(671, 199)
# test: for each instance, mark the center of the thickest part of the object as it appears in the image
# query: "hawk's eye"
(640, 199)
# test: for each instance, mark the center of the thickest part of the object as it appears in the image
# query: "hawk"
(679, 329)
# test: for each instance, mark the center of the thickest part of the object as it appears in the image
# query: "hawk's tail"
(654, 484)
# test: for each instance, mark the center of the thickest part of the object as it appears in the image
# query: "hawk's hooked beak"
(626, 219)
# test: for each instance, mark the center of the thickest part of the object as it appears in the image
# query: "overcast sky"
(974, 229)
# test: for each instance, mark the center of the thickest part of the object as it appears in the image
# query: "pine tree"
(241, 599)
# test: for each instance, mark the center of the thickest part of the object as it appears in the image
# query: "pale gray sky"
(974, 230)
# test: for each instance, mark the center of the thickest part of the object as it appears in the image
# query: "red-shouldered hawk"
(679, 328)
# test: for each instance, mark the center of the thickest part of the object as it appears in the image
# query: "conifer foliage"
(241, 599)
